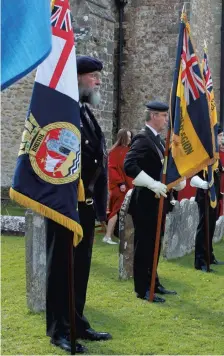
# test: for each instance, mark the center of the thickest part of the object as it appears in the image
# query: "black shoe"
(161, 290)
(92, 335)
(156, 299)
(216, 262)
(65, 345)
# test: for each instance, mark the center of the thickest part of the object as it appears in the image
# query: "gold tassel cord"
(81, 191)
(52, 4)
(48, 213)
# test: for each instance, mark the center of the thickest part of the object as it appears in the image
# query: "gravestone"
(12, 224)
(219, 230)
(180, 229)
(179, 236)
(35, 261)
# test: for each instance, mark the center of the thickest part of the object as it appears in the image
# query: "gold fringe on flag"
(48, 213)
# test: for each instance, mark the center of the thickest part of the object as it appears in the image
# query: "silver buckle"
(89, 201)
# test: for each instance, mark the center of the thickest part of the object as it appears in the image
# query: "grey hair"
(148, 114)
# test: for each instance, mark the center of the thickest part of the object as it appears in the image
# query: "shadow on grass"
(191, 309)
(188, 260)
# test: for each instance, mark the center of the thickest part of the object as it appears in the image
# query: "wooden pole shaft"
(207, 243)
(159, 220)
(71, 297)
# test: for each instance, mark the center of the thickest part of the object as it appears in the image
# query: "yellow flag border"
(192, 172)
(48, 213)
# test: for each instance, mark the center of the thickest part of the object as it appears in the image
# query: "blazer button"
(95, 160)
(86, 142)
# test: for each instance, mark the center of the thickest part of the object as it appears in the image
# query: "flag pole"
(184, 8)
(161, 201)
(159, 219)
(71, 297)
(206, 203)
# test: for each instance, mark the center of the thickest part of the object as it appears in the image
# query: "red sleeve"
(115, 175)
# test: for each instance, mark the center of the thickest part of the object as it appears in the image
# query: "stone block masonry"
(150, 42)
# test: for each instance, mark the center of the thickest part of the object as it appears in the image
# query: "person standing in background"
(119, 182)
(221, 154)
(200, 181)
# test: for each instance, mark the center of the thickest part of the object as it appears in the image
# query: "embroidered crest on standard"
(54, 150)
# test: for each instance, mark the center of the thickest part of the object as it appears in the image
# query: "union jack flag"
(207, 75)
(63, 57)
(191, 76)
(61, 17)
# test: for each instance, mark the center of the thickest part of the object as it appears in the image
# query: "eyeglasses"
(165, 114)
(95, 75)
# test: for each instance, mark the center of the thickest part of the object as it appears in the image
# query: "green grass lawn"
(12, 209)
(190, 323)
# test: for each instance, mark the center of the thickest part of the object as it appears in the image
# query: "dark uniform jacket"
(145, 154)
(94, 162)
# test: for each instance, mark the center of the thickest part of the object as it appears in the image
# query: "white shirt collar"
(152, 129)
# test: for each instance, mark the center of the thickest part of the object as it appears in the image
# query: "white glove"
(180, 185)
(198, 183)
(144, 180)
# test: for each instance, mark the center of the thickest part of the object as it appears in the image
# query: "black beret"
(220, 129)
(87, 64)
(157, 106)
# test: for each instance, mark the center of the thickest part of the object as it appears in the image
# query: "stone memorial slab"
(180, 229)
(219, 229)
(35, 261)
(12, 224)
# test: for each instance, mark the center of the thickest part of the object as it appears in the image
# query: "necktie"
(160, 145)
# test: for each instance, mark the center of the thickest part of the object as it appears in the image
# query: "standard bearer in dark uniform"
(144, 163)
(94, 176)
(200, 181)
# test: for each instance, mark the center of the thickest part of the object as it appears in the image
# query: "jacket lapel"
(154, 144)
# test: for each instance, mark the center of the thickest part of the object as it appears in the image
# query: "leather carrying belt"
(90, 188)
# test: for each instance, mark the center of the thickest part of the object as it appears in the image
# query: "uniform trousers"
(144, 215)
(57, 284)
(200, 241)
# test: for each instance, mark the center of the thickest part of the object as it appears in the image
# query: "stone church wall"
(150, 40)
(151, 33)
